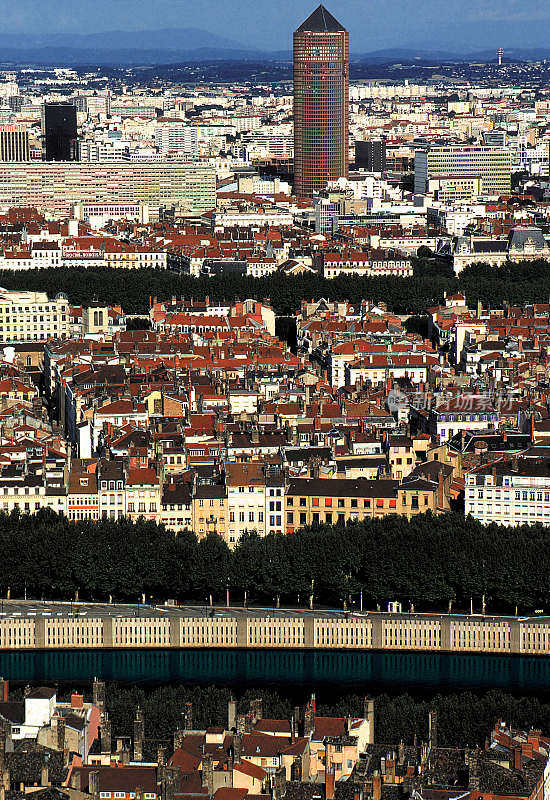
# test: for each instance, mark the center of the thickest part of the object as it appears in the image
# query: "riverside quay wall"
(30, 625)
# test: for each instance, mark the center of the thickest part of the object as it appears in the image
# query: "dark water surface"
(380, 670)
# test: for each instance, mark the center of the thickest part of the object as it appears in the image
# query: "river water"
(382, 671)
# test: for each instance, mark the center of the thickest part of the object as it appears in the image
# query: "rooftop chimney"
(105, 734)
(139, 735)
(99, 694)
(376, 786)
(329, 784)
(368, 714)
(208, 774)
(309, 717)
(188, 717)
(231, 714)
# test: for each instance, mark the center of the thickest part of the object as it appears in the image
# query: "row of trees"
(428, 561)
(517, 283)
(464, 718)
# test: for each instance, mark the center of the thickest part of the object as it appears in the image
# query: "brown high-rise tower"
(321, 102)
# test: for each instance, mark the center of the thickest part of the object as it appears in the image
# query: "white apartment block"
(509, 493)
(177, 137)
(85, 253)
(252, 219)
(246, 506)
(92, 151)
(372, 264)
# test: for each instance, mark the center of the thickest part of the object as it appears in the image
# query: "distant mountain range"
(122, 47)
(173, 46)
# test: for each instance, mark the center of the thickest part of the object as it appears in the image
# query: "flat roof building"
(60, 131)
(493, 165)
(54, 188)
(14, 143)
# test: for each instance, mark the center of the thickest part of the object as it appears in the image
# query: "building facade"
(321, 101)
(55, 188)
(123, 627)
(371, 155)
(60, 131)
(14, 143)
(492, 165)
(31, 316)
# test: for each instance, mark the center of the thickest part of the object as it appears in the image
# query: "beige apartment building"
(31, 316)
(54, 188)
(210, 512)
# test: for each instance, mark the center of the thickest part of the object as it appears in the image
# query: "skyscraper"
(14, 143)
(321, 102)
(371, 155)
(59, 129)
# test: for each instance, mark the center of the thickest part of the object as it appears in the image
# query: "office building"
(493, 165)
(14, 143)
(321, 102)
(55, 188)
(59, 130)
(371, 155)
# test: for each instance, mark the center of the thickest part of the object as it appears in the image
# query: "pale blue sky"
(268, 24)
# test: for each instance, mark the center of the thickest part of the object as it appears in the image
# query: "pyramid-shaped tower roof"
(320, 21)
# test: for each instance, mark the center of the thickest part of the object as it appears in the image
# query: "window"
(341, 503)
(303, 502)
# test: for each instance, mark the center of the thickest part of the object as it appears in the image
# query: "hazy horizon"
(258, 24)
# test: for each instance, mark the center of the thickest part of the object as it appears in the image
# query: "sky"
(268, 24)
